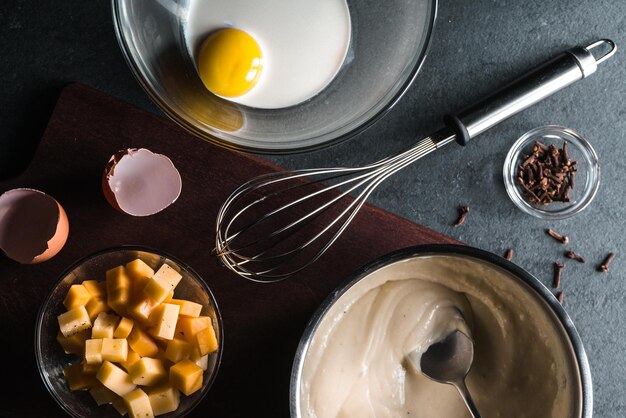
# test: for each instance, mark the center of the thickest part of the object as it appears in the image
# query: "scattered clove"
(558, 269)
(509, 254)
(546, 175)
(560, 296)
(604, 267)
(561, 238)
(573, 256)
(463, 211)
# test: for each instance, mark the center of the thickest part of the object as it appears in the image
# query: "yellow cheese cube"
(73, 321)
(141, 310)
(97, 289)
(186, 376)
(75, 343)
(102, 395)
(189, 327)
(141, 343)
(163, 398)
(206, 341)
(177, 350)
(187, 307)
(164, 318)
(137, 269)
(115, 379)
(162, 283)
(137, 288)
(138, 404)
(104, 325)
(93, 351)
(123, 328)
(78, 295)
(147, 371)
(114, 349)
(95, 306)
(76, 379)
(131, 359)
(118, 289)
(91, 369)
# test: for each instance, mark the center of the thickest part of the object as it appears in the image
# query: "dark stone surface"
(477, 46)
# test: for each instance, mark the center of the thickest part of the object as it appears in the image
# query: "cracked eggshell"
(139, 182)
(33, 226)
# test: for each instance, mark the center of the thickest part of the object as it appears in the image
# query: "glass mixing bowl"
(51, 360)
(388, 45)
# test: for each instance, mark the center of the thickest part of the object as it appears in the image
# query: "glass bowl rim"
(590, 158)
(113, 249)
(353, 129)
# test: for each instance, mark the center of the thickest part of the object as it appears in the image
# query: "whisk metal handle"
(534, 86)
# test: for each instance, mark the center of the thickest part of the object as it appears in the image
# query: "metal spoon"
(449, 361)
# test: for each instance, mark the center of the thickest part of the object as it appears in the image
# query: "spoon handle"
(462, 388)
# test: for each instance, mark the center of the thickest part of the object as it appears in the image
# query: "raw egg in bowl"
(276, 76)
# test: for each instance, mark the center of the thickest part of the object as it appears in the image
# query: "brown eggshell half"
(33, 226)
(140, 182)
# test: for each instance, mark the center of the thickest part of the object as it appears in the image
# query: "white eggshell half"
(33, 226)
(140, 182)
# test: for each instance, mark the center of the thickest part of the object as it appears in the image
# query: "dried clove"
(547, 174)
(463, 211)
(573, 256)
(561, 238)
(558, 269)
(604, 267)
(509, 254)
(560, 296)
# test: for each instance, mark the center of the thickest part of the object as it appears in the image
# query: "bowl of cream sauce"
(352, 359)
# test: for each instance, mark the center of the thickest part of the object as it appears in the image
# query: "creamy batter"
(356, 365)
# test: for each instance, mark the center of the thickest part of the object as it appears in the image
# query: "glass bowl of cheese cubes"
(129, 331)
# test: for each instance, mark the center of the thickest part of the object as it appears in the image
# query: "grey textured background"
(478, 45)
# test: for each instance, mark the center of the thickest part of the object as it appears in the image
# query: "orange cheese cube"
(118, 289)
(138, 269)
(187, 307)
(141, 310)
(131, 359)
(189, 327)
(141, 343)
(124, 328)
(206, 341)
(97, 289)
(95, 306)
(186, 376)
(78, 295)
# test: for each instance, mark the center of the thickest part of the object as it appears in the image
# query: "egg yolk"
(230, 62)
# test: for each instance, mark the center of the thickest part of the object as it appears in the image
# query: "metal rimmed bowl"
(389, 42)
(404, 264)
(51, 360)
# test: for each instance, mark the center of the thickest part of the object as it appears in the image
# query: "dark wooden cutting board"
(262, 322)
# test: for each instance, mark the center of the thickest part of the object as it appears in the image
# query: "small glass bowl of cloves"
(551, 172)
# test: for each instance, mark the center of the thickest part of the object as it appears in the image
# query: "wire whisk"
(278, 224)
